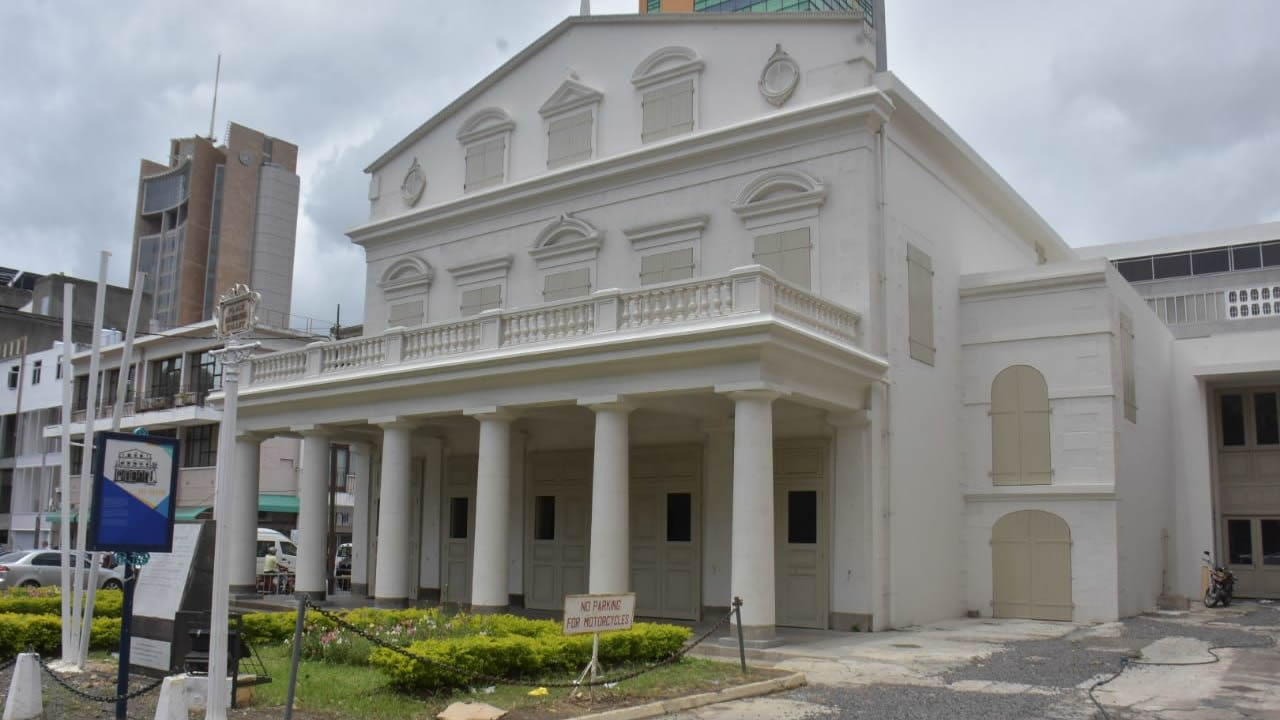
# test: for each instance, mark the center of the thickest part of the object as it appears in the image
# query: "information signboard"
(598, 613)
(134, 483)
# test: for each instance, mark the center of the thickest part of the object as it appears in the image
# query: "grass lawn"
(346, 691)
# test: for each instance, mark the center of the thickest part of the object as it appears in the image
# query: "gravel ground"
(911, 702)
(99, 680)
(1057, 668)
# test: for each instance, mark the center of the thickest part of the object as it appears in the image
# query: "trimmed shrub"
(267, 628)
(21, 601)
(528, 654)
(43, 633)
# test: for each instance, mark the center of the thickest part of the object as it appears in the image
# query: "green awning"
(57, 517)
(189, 513)
(278, 503)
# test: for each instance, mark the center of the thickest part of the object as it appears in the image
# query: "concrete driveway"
(996, 669)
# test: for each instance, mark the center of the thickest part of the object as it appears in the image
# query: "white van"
(286, 552)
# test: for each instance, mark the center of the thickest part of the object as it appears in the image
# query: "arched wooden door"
(1031, 566)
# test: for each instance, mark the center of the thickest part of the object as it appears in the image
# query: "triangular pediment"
(569, 96)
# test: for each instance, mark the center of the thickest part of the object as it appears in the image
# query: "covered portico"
(678, 456)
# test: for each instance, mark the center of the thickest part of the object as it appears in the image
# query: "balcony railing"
(745, 291)
(147, 403)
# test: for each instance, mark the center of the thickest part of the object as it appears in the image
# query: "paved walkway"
(995, 669)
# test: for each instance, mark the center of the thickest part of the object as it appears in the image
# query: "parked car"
(286, 552)
(33, 568)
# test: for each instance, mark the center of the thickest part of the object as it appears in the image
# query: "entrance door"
(666, 568)
(558, 531)
(1031, 566)
(457, 529)
(1253, 554)
(800, 512)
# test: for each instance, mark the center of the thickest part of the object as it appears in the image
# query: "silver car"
(33, 568)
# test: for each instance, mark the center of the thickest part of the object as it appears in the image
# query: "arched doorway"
(1031, 566)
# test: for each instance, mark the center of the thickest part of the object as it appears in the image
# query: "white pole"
(86, 461)
(122, 384)
(218, 698)
(64, 527)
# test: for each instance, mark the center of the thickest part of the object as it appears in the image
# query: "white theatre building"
(703, 306)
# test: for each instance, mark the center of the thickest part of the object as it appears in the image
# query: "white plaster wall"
(841, 231)
(1145, 471)
(45, 394)
(1093, 556)
(834, 56)
(935, 212)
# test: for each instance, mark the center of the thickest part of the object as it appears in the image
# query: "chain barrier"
(498, 680)
(97, 698)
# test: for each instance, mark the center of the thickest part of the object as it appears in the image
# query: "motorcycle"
(1222, 584)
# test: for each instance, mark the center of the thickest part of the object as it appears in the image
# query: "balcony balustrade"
(743, 292)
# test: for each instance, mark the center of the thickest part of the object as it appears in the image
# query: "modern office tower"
(214, 216)
(671, 6)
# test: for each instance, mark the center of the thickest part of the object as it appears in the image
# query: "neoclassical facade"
(702, 307)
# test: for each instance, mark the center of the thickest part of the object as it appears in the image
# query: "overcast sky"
(1115, 120)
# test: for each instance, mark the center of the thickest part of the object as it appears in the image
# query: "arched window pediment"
(664, 64)
(566, 239)
(779, 191)
(405, 275)
(484, 124)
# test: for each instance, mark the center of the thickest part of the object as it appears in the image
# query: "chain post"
(297, 655)
(742, 646)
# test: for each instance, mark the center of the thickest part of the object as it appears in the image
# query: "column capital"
(751, 391)
(491, 413)
(849, 418)
(607, 402)
(312, 430)
(393, 422)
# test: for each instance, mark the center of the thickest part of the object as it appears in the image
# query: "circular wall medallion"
(415, 181)
(779, 78)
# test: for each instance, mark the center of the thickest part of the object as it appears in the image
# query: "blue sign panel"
(135, 479)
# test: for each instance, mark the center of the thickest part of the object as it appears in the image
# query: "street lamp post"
(235, 320)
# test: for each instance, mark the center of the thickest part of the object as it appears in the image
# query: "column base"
(753, 636)
(242, 591)
(391, 603)
(360, 589)
(314, 595)
(488, 609)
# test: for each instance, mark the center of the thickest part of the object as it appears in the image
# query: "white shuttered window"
(486, 163)
(666, 267)
(477, 300)
(567, 284)
(787, 254)
(668, 110)
(920, 305)
(569, 139)
(1020, 428)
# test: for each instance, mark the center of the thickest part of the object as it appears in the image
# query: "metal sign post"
(236, 318)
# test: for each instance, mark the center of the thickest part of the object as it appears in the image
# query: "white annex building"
(703, 306)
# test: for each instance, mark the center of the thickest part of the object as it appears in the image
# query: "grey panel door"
(457, 529)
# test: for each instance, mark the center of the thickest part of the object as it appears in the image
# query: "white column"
(392, 586)
(717, 532)
(853, 583)
(313, 506)
(611, 500)
(244, 516)
(493, 500)
(752, 574)
(361, 464)
(432, 481)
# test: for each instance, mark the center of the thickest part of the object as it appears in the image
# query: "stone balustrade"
(741, 293)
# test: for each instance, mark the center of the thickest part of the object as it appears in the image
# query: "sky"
(1116, 120)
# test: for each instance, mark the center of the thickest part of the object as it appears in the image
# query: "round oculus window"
(415, 182)
(779, 78)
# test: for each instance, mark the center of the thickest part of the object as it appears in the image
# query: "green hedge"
(107, 603)
(531, 653)
(44, 634)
